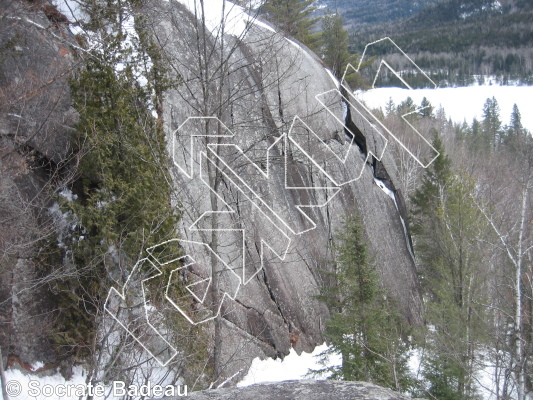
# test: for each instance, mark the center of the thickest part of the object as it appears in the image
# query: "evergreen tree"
(428, 197)
(456, 289)
(334, 48)
(426, 108)
(390, 106)
(365, 327)
(477, 140)
(491, 123)
(407, 107)
(294, 18)
(476, 127)
(515, 127)
(463, 131)
(124, 187)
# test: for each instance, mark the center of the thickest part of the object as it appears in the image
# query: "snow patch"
(68, 195)
(155, 375)
(72, 10)
(291, 367)
(294, 44)
(24, 380)
(414, 363)
(383, 187)
(224, 14)
(263, 25)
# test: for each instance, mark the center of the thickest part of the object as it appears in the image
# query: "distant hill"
(455, 40)
(357, 12)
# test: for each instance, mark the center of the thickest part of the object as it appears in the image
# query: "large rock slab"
(265, 81)
(256, 85)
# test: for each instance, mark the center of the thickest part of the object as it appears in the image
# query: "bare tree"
(507, 207)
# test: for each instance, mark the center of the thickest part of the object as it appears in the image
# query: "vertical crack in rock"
(379, 171)
(273, 297)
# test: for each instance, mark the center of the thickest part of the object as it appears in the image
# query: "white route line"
(114, 313)
(225, 295)
(383, 62)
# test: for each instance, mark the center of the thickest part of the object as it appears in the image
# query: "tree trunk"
(3, 377)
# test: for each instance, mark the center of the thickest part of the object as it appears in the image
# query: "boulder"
(302, 390)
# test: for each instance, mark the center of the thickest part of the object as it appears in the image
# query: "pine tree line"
(474, 282)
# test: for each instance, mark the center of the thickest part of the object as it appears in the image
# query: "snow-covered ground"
(23, 386)
(294, 366)
(23, 380)
(461, 103)
(291, 367)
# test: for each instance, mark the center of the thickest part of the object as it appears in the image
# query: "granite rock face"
(266, 166)
(302, 390)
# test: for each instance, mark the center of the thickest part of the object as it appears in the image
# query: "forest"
(471, 225)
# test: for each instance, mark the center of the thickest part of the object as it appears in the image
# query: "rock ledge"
(302, 390)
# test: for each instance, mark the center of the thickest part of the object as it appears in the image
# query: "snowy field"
(461, 103)
(23, 386)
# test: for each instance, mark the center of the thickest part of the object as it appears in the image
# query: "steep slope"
(256, 81)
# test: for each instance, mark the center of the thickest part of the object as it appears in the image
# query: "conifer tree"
(476, 127)
(407, 107)
(365, 327)
(427, 198)
(426, 108)
(334, 49)
(491, 123)
(477, 140)
(124, 189)
(390, 107)
(515, 127)
(294, 18)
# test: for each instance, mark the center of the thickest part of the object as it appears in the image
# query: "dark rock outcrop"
(36, 118)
